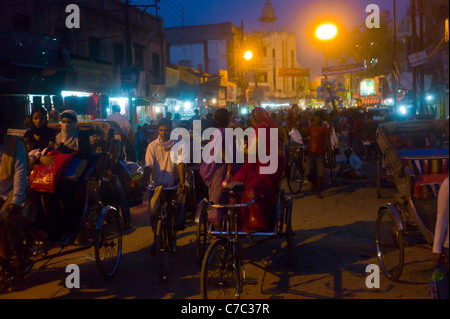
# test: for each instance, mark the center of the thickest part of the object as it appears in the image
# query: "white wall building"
(274, 59)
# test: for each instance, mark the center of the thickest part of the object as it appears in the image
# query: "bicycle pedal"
(251, 281)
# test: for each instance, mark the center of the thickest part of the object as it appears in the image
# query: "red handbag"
(45, 178)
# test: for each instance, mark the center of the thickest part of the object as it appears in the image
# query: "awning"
(370, 101)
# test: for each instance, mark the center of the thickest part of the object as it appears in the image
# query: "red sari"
(261, 187)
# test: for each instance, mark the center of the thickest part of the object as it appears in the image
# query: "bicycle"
(295, 171)
(164, 230)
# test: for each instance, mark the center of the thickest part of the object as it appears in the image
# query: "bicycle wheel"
(330, 162)
(390, 247)
(289, 233)
(201, 236)
(108, 243)
(162, 248)
(295, 176)
(221, 275)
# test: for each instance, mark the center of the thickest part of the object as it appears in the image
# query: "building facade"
(118, 51)
(271, 73)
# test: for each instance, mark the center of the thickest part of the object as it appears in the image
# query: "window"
(63, 36)
(274, 70)
(263, 77)
(94, 48)
(118, 54)
(264, 51)
(139, 57)
(21, 22)
(156, 65)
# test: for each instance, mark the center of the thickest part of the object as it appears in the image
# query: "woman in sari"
(38, 137)
(216, 174)
(263, 188)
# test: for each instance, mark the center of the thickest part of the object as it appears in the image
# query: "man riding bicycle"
(13, 191)
(163, 171)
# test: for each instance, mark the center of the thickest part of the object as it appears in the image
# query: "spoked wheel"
(108, 244)
(378, 179)
(295, 176)
(202, 235)
(330, 162)
(162, 248)
(6, 277)
(221, 277)
(289, 233)
(390, 247)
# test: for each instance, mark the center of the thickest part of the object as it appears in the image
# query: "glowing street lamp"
(326, 32)
(248, 55)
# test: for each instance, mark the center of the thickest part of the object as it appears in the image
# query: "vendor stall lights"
(74, 93)
(402, 109)
(187, 105)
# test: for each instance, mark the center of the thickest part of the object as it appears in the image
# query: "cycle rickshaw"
(223, 272)
(417, 174)
(95, 226)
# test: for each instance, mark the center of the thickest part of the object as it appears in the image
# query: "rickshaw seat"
(428, 185)
(236, 187)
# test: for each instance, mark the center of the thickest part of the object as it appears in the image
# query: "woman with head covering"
(38, 137)
(70, 139)
(215, 174)
(259, 185)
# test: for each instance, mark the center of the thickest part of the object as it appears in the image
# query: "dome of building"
(268, 12)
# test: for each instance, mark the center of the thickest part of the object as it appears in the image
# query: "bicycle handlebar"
(231, 205)
(164, 188)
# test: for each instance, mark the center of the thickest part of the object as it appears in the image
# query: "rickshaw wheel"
(108, 244)
(378, 179)
(390, 245)
(289, 232)
(295, 176)
(162, 248)
(202, 236)
(5, 278)
(220, 277)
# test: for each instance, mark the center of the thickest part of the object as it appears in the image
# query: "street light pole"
(394, 77)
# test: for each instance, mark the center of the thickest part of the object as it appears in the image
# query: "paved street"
(334, 242)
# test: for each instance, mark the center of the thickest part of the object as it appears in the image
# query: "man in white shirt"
(125, 127)
(163, 171)
(120, 119)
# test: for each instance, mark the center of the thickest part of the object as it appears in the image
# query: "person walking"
(319, 139)
(125, 127)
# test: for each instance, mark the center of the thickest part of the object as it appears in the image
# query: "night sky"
(297, 15)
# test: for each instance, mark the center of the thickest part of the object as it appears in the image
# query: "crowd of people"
(317, 128)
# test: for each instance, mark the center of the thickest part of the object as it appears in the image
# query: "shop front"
(88, 88)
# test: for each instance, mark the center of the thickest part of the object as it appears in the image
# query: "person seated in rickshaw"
(64, 207)
(163, 171)
(259, 186)
(215, 174)
(71, 139)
